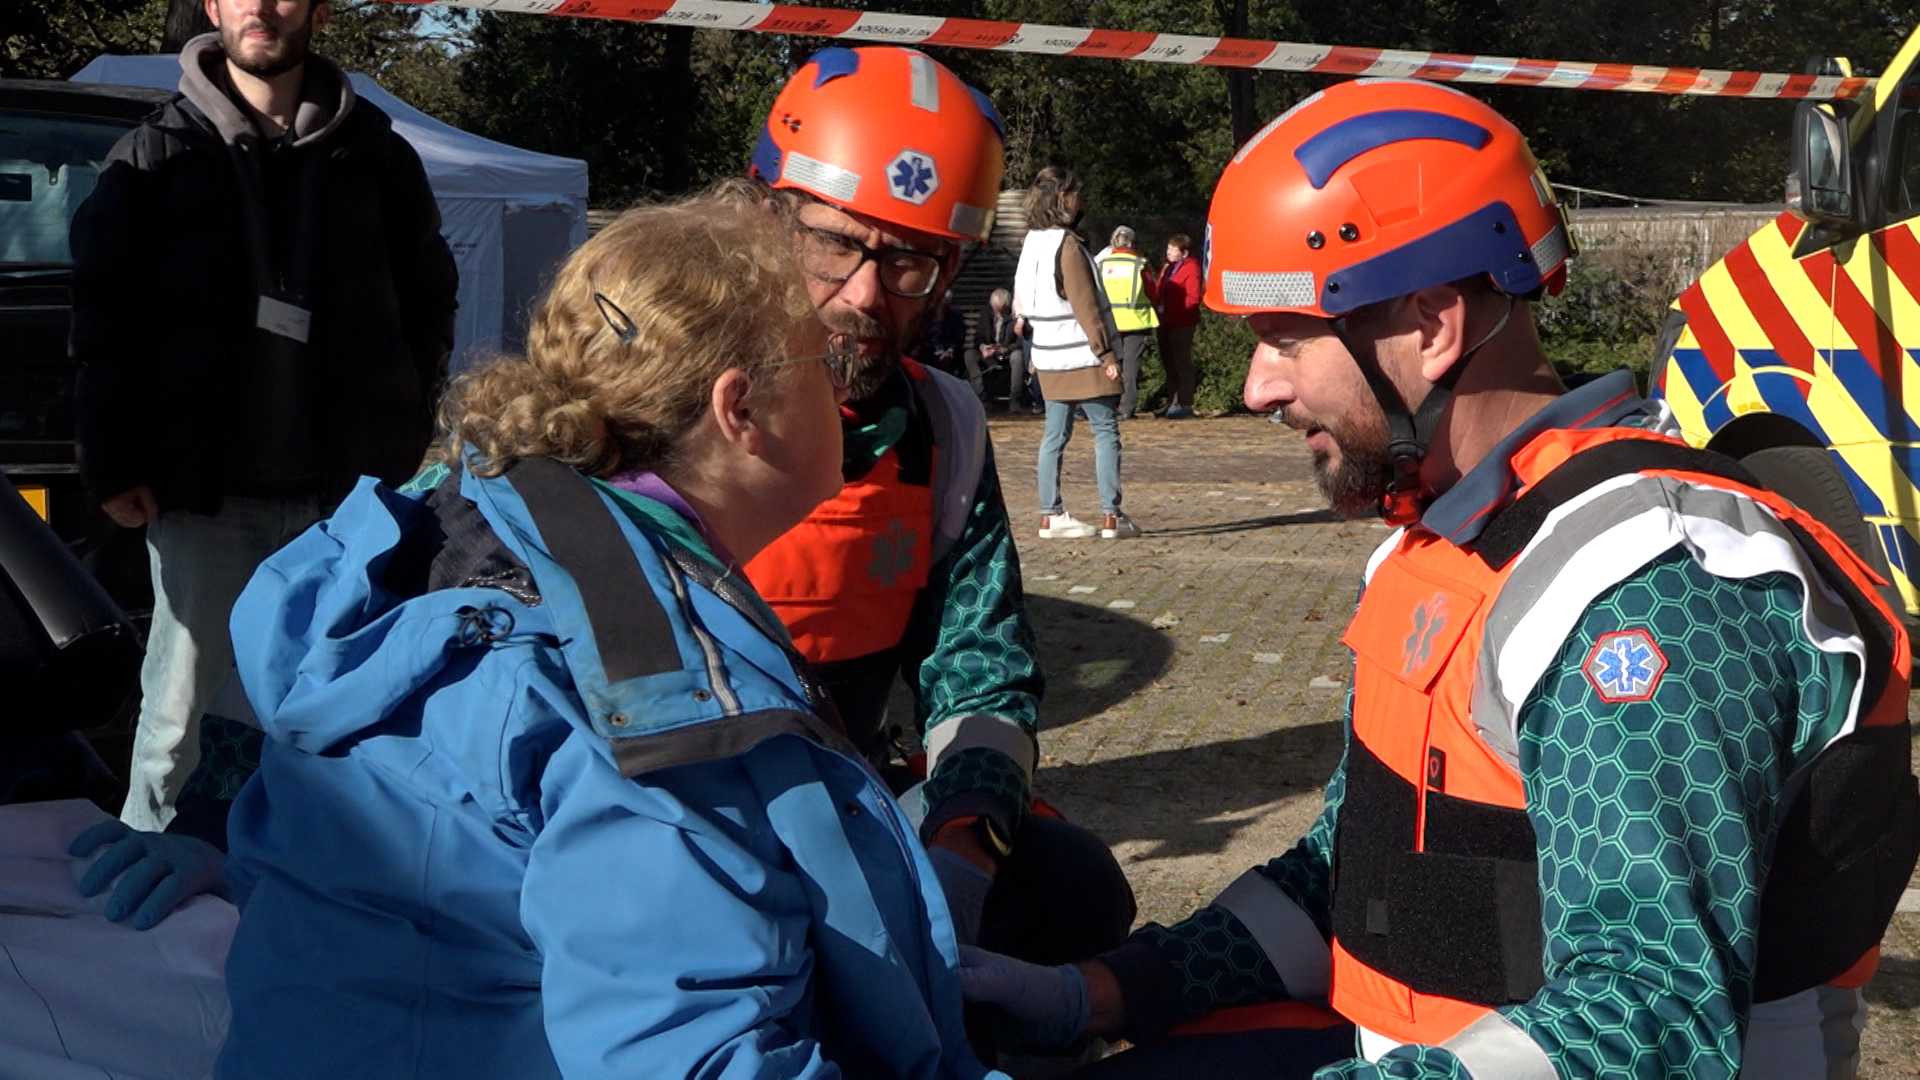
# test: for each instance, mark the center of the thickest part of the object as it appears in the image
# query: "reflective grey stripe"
(970, 220)
(923, 81)
(1811, 1035)
(1844, 1015)
(1292, 943)
(960, 431)
(982, 731)
(1494, 1048)
(1550, 250)
(1593, 543)
(820, 177)
(1245, 288)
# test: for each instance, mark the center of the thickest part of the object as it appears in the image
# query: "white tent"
(510, 215)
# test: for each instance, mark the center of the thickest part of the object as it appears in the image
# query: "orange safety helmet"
(1375, 189)
(891, 133)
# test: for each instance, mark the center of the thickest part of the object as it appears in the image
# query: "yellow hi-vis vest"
(1123, 275)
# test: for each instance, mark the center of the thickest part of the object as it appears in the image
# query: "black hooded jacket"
(195, 219)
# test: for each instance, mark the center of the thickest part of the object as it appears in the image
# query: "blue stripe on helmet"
(992, 114)
(766, 155)
(1488, 241)
(829, 64)
(1323, 154)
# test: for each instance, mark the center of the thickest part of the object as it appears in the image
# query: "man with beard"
(887, 165)
(1626, 789)
(262, 312)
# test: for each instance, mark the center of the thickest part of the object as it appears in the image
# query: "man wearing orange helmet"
(1626, 789)
(888, 165)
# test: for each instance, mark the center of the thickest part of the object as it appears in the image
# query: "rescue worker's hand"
(132, 508)
(1111, 371)
(1041, 1008)
(966, 887)
(158, 872)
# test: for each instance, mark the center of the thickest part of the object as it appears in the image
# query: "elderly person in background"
(1001, 345)
(1129, 292)
(1056, 289)
(547, 791)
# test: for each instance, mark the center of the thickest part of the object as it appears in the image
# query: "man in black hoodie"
(262, 312)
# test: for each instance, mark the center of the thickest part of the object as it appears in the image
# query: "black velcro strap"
(1507, 534)
(1461, 923)
(630, 628)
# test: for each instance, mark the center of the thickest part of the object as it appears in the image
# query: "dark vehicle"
(54, 137)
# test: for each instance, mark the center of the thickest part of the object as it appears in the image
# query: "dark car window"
(49, 164)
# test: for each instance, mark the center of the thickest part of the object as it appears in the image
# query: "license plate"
(37, 498)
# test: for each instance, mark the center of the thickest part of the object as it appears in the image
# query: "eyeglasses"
(834, 258)
(841, 357)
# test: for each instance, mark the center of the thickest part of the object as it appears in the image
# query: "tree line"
(663, 110)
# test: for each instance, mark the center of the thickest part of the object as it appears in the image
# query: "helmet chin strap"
(1408, 431)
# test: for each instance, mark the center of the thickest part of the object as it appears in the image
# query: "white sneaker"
(1119, 527)
(1064, 527)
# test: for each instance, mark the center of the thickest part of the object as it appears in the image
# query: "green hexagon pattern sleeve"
(1652, 816)
(1210, 959)
(972, 657)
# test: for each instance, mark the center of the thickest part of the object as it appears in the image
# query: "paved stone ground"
(1196, 674)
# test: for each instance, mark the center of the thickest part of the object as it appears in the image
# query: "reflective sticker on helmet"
(925, 82)
(1242, 288)
(912, 176)
(1541, 189)
(971, 220)
(1549, 250)
(820, 177)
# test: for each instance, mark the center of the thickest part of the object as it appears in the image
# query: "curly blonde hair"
(695, 287)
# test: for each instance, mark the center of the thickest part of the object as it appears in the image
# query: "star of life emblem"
(1624, 666)
(912, 176)
(892, 555)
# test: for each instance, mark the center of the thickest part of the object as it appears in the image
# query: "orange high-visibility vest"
(1436, 905)
(844, 581)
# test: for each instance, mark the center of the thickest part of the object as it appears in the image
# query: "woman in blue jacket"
(546, 791)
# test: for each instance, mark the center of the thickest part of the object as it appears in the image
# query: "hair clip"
(617, 320)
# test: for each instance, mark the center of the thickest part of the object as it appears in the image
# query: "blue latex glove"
(966, 887)
(1041, 1008)
(158, 872)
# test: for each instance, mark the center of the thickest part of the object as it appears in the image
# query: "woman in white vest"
(1058, 293)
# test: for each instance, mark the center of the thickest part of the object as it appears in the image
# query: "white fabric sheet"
(85, 999)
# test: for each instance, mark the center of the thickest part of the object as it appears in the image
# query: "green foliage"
(652, 111)
(414, 59)
(52, 39)
(1610, 314)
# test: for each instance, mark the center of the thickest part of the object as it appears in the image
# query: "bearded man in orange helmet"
(887, 165)
(1627, 788)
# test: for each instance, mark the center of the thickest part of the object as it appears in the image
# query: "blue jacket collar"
(1613, 400)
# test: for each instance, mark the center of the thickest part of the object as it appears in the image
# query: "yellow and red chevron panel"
(888, 28)
(1829, 343)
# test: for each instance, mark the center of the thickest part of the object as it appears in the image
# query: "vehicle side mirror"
(1820, 187)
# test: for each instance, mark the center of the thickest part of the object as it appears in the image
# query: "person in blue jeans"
(1056, 290)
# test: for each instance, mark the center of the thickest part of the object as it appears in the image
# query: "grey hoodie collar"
(326, 97)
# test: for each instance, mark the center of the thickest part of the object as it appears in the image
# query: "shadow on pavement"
(1094, 658)
(1152, 796)
(1897, 983)
(1310, 517)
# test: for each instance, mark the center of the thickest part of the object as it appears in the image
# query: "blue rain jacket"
(466, 855)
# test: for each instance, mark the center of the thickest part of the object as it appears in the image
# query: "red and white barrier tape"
(1183, 48)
